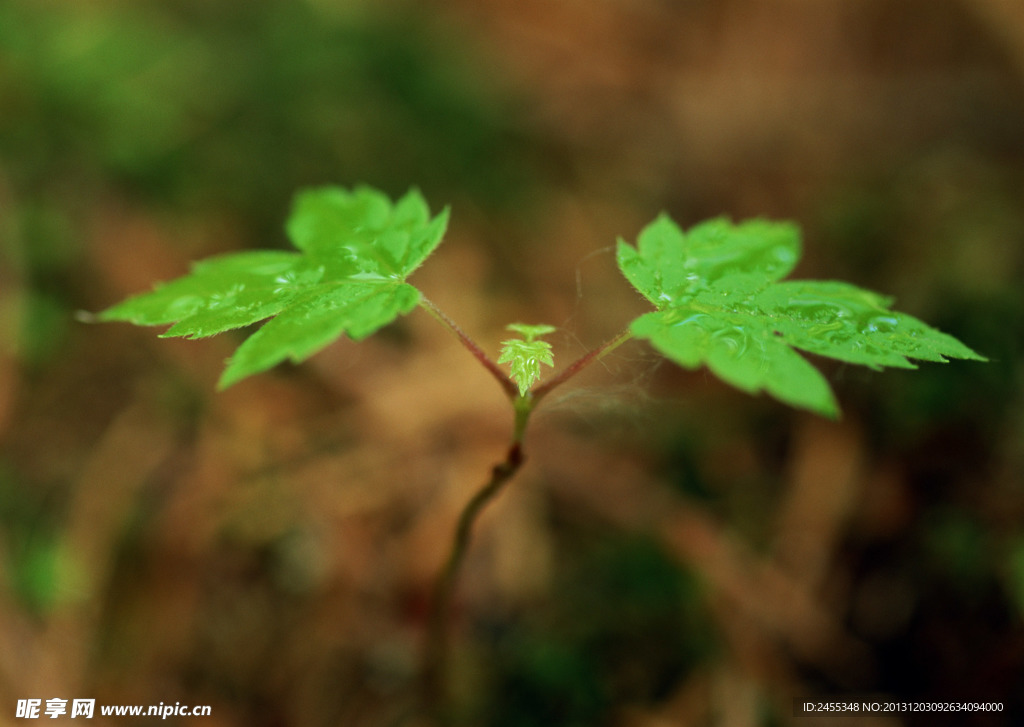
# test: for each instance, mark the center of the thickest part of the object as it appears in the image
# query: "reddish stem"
(435, 669)
(503, 379)
(578, 365)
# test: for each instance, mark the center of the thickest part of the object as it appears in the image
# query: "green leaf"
(719, 304)
(356, 249)
(530, 332)
(525, 357)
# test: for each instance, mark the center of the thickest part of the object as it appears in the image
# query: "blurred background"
(674, 552)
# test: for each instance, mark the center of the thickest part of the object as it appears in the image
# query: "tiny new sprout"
(525, 355)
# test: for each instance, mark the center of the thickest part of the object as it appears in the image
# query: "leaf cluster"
(355, 250)
(717, 290)
(720, 302)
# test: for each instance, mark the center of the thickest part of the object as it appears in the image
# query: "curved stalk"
(435, 669)
(478, 353)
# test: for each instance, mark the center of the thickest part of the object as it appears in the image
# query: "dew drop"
(880, 324)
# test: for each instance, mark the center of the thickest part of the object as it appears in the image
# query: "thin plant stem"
(579, 364)
(435, 695)
(503, 379)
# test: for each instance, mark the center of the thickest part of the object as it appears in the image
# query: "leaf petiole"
(478, 353)
(579, 364)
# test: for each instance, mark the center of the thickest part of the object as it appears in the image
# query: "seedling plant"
(716, 290)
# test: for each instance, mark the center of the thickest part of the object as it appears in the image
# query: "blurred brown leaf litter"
(673, 553)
